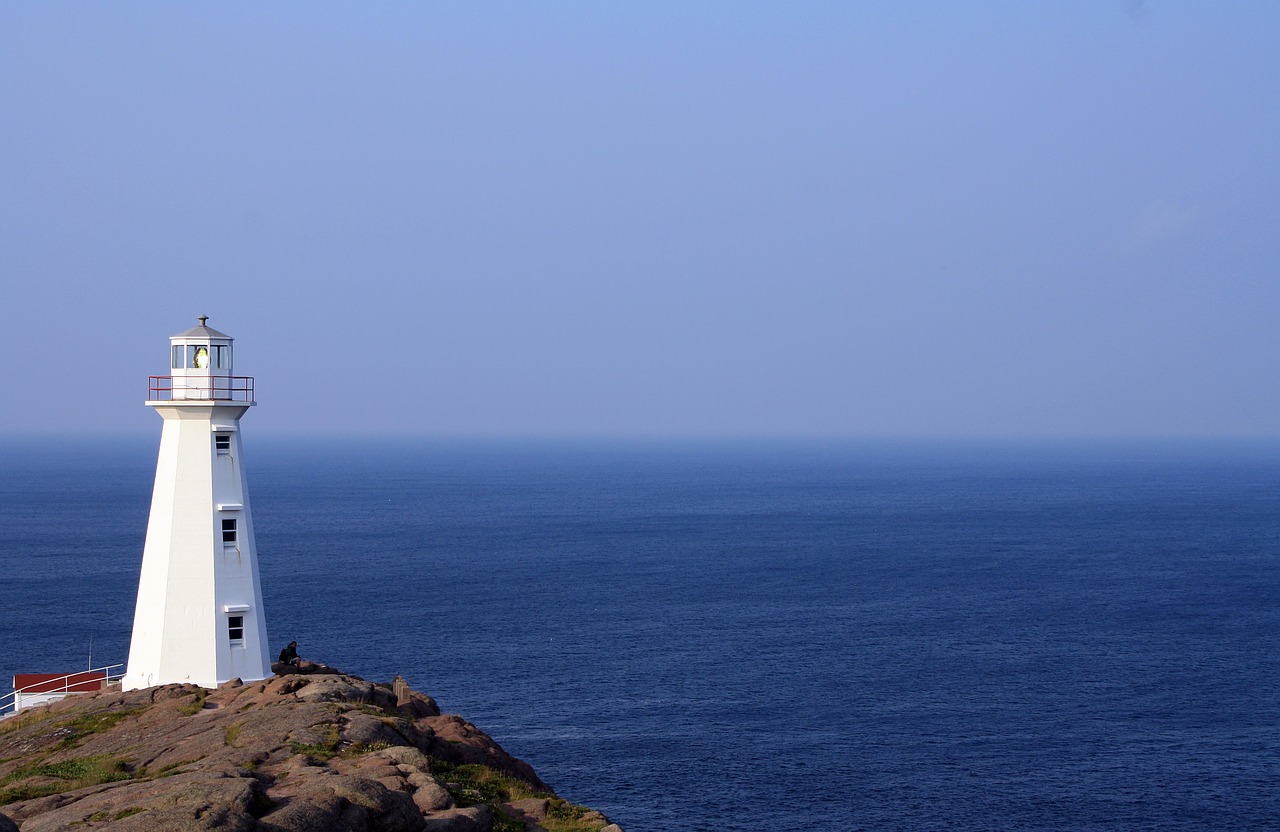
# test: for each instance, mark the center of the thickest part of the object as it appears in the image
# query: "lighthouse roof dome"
(203, 331)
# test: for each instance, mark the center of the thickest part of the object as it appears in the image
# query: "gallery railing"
(200, 388)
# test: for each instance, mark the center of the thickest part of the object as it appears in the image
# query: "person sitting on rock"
(289, 655)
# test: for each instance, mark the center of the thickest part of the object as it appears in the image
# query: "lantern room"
(200, 363)
(201, 351)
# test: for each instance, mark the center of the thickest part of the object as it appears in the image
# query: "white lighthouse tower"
(199, 616)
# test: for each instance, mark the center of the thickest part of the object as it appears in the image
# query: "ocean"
(750, 636)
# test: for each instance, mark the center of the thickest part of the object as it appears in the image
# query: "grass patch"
(170, 769)
(123, 813)
(233, 731)
(366, 708)
(98, 723)
(358, 749)
(195, 706)
(563, 816)
(474, 783)
(22, 720)
(321, 752)
(502, 822)
(69, 774)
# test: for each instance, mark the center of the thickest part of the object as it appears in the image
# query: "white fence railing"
(11, 702)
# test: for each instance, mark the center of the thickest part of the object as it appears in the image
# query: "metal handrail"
(200, 388)
(107, 677)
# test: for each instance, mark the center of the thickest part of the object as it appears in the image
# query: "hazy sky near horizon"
(687, 219)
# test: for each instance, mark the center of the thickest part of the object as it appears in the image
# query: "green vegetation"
(97, 723)
(233, 731)
(502, 822)
(563, 816)
(321, 752)
(33, 716)
(195, 706)
(364, 708)
(97, 817)
(473, 784)
(67, 774)
(168, 769)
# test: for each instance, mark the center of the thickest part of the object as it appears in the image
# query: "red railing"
(200, 388)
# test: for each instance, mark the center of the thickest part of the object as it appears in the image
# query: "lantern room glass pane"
(176, 361)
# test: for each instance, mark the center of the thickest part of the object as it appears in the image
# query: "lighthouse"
(199, 616)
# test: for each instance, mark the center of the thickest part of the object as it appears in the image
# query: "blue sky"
(659, 219)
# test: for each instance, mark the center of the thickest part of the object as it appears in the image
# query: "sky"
(658, 219)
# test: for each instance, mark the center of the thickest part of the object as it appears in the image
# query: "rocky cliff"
(297, 753)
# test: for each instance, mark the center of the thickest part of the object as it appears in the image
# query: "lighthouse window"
(229, 530)
(176, 363)
(235, 628)
(222, 443)
(221, 356)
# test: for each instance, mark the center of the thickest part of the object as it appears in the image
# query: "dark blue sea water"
(752, 636)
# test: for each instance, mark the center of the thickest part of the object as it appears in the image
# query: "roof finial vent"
(202, 319)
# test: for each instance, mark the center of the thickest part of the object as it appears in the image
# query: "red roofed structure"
(31, 689)
(50, 682)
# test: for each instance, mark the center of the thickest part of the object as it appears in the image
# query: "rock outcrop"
(309, 751)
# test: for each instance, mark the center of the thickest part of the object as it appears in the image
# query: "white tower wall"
(196, 578)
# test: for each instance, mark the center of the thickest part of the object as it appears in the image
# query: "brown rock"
(303, 751)
(405, 756)
(365, 730)
(360, 802)
(429, 795)
(532, 809)
(185, 819)
(180, 802)
(458, 741)
(471, 819)
(345, 689)
(303, 816)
